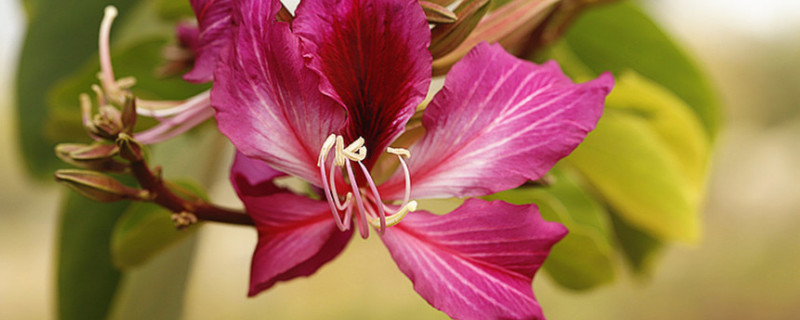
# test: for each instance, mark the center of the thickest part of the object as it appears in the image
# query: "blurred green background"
(745, 267)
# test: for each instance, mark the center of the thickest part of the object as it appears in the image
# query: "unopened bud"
(447, 37)
(97, 157)
(129, 149)
(92, 152)
(107, 122)
(442, 3)
(436, 13)
(98, 186)
(86, 113)
(515, 17)
(128, 117)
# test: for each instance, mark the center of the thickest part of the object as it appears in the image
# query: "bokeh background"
(746, 266)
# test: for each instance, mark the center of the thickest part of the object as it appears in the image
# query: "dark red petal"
(372, 57)
(296, 236)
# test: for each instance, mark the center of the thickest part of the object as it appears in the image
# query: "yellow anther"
(394, 219)
(339, 159)
(359, 155)
(110, 12)
(126, 82)
(355, 145)
(399, 152)
(326, 146)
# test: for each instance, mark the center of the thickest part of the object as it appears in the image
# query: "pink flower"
(333, 89)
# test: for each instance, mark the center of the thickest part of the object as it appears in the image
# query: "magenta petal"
(267, 102)
(253, 177)
(477, 262)
(296, 236)
(498, 122)
(214, 23)
(373, 59)
(188, 36)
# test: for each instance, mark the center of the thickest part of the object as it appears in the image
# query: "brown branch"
(164, 197)
(556, 24)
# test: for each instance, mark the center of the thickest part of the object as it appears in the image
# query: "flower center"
(371, 209)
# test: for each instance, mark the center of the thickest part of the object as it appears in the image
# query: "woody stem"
(164, 197)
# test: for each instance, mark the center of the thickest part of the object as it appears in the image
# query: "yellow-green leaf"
(672, 120)
(637, 173)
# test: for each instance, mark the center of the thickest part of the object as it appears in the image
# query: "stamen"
(174, 126)
(157, 109)
(397, 217)
(332, 182)
(378, 202)
(107, 72)
(407, 175)
(326, 146)
(367, 215)
(101, 97)
(399, 152)
(86, 111)
(363, 225)
(126, 82)
(339, 159)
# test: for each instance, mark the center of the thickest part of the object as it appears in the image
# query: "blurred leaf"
(87, 281)
(584, 258)
(155, 290)
(676, 125)
(639, 176)
(620, 36)
(143, 231)
(174, 10)
(154, 255)
(139, 59)
(61, 35)
(639, 248)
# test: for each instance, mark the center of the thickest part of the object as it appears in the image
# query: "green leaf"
(619, 36)
(87, 281)
(639, 248)
(155, 290)
(174, 10)
(61, 35)
(588, 242)
(636, 172)
(143, 231)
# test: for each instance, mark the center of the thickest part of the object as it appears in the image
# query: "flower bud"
(442, 3)
(436, 13)
(97, 157)
(128, 117)
(447, 37)
(514, 17)
(98, 186)
(129, 149)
